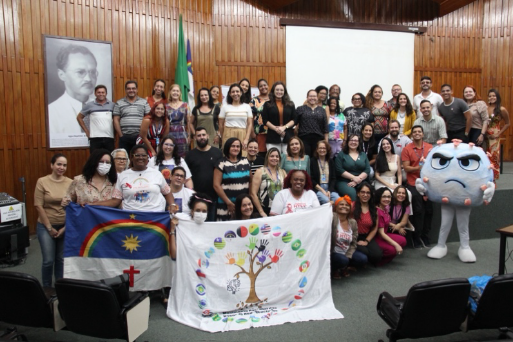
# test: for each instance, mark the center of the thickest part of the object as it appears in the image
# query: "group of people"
(263, 156)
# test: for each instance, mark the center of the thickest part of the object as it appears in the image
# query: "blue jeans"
(340, 261)
(323, 198)
(53, 253)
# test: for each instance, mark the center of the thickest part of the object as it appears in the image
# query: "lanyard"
(294, 162)
(277, 175)
(321, 166)
(421, 153)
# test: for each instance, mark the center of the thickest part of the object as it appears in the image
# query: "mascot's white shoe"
(466, 255)
(437, 252)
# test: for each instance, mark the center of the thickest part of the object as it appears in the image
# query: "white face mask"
(199, 218)
(103, 168)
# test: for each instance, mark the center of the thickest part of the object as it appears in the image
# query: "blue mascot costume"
(459, 176)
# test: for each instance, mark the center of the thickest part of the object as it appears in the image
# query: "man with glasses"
(357, 115)
(201, 161)
(77, 68)
(427, 94)
(99, 112)
(181, 194)
(413, 156)
(396, 90)
(128, 115)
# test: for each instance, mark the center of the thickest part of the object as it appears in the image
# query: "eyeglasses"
(143, 156)
(121, 159)
(386, 196)
(365, 192)
(179, 175)
(82, 73)
(169, 145)
(357, 99)
(354, 140)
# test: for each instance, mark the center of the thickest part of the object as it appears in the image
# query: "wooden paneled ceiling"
(446, 6)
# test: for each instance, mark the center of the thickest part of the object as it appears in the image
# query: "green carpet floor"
(355, 297)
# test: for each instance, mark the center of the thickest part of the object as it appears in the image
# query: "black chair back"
(23, 301)
(90, 308)
(494, 310)
(434, 308)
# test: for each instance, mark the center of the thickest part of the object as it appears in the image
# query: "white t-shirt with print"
(285, 203)
(169, 165)
(182, 199)
(142, 190)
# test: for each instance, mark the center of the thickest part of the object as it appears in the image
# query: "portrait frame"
(67, 90)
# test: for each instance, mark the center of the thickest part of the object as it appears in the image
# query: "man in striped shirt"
(128, 114)
(433, 125)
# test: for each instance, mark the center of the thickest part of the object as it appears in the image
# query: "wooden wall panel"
(230, 39)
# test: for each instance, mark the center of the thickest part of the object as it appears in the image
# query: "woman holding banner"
(142, 188)
(199, 204)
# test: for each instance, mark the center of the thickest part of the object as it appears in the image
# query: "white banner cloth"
(241, 274)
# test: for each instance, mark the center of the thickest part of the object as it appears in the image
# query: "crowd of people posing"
(263, 156)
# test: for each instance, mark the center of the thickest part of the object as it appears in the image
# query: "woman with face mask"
(199, 203)
(96, 183)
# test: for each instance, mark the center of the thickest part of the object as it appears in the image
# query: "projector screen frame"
(353, 25)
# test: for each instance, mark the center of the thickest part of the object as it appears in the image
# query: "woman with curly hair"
(404, 113)
(379, 109)
(364, 212)
(205, 114)
(154, 127)
(97, 181)
(231, 178)
(166, 160)
(497, 113)
(297, 194)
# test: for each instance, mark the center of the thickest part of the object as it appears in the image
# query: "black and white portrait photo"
(73, 68)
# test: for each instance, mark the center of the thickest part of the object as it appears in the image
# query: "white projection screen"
(353, 59)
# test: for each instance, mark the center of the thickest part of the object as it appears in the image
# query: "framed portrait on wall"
(73, 68)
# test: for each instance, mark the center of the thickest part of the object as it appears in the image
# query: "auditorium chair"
(431, 308)
(494, 310)
(23, 301)
(103, 309)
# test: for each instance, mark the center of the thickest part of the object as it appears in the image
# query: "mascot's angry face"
(455, 172)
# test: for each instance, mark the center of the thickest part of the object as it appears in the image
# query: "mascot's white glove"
(421, 188)
(488, 193)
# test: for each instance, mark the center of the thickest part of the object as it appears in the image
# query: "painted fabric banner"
(103, 242)
(241, 274)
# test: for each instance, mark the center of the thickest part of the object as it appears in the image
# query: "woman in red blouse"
(364, 212)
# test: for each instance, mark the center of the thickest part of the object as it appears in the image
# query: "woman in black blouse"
(323, 174)
(313, 122)
(369, 146)
(279, 115)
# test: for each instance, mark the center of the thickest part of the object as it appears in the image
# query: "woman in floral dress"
(497, 113)
(178, 112)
